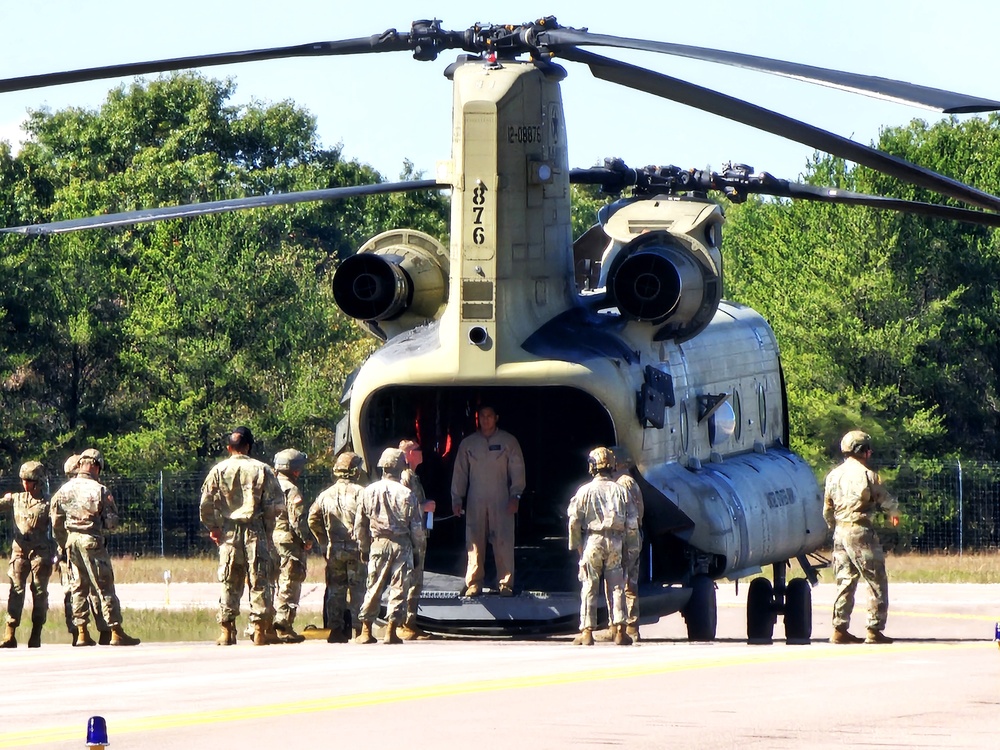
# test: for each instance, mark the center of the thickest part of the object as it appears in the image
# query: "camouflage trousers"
(244, 556)
(602, 557)
(345, 585)
(66, 579)
(631, 552)
(92, 575)
(36, 569)
(292, 573)
(416, 580)
(390, 565)
(857, 555)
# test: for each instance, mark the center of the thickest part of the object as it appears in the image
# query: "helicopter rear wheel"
(760, 612)
(798, 612)
(701, 613)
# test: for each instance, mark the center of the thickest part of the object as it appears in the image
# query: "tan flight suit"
(489, 471)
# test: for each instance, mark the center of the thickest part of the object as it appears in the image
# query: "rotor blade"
(216, 207)
(738, 110)
(787, 189)
(387, 42)
(873, 86)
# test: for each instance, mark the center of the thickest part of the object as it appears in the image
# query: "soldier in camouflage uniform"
(632, 543)
(240, 501)
(31, 554)
(599, 515)
(331, 520)
(82, 511)
(292, 541)
(854, 493)
(414, 457)
(387, 527)
(70, 468)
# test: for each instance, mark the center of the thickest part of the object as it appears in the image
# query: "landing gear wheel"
(798, 612)
(760, 612)
(700, 613)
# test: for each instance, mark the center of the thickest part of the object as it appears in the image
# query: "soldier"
(488, 481)
(386, 527)
(331, 520)
(632, 544)
(70, 468)
(240, 500)
(414, 457)
(292, 541)
(600, 510)
(31, 554)
(82, 511)
(854, 493)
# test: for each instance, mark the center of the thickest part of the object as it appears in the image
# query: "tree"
(153, 340)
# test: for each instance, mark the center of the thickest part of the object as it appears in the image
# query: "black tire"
(760, 611)
(798, 612)
(701, 613)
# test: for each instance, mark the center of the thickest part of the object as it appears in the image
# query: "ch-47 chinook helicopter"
(622, 338)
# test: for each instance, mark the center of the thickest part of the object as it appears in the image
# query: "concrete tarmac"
(937, 686)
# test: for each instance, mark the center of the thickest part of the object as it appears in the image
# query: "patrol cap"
(601, 459)
(854, 442)
(72, 464)
(290, 460)
(94, 456)
(33, 471)
(393, 460)
(347, 465)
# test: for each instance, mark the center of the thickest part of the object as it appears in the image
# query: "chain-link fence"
(947, 506)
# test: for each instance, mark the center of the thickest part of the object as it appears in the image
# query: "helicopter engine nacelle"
(396, 281)
(669, 271)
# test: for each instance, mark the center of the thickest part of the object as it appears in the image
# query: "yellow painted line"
(424, 692)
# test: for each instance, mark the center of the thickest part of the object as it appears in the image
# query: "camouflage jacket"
(410, 480)
(854, 493)
(292, 523)
(241, 488)
(331, 517)
(31, 524)
(387, 510)
(83, 506)
(600, 507)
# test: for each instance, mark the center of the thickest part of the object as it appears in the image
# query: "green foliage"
(152, 341)
(886, 321)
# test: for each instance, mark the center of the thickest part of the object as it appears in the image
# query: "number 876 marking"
(478, 207)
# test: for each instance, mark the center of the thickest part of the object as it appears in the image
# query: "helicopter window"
(737, 414)
(722, 424)
(762, 409)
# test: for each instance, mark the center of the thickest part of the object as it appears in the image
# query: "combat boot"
(9, 641)
(83, 637)
(271, 634)
(841, 636)
(260, 634)
(586, 638)
(104, 637)
(365, 636)
(120, 638)
(390, 634)
(877, 636)
(621, 638)
(285, 634)
(632, 631)
(227, 634)
(35, 639)
(337, 636)
(411, 631)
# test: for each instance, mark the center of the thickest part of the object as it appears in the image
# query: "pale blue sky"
(385, 108)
